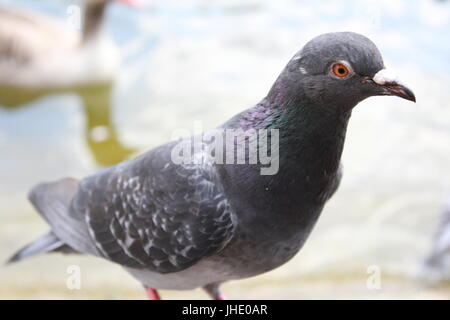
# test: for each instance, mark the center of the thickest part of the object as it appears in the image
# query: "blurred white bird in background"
(40, 52)
(41, 55)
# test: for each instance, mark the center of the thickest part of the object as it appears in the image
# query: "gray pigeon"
(199, 223)
(436, 267)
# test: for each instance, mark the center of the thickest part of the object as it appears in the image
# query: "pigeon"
(179, 218)
(435, 269)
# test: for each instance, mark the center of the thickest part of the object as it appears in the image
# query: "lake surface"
(199, 61)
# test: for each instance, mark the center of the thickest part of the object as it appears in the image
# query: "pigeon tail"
(68, 232)
(47, 243)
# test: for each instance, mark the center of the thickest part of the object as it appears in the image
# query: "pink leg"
(213, 290)
(220, 297)
(152, 294)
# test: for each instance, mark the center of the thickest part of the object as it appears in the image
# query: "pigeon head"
(338, 70)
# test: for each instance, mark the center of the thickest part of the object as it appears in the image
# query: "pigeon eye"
(340, 70)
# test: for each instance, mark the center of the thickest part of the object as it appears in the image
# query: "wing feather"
(151, 213)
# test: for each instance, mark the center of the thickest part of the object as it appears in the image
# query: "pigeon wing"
(151, 213)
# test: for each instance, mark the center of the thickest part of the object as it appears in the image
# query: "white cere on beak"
(385, 76)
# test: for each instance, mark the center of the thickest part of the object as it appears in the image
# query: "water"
(199, 60)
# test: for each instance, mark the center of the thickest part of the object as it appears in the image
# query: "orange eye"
(340, 70)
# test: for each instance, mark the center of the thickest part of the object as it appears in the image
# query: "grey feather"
(151, 213)
(49, 242)
(52, 201)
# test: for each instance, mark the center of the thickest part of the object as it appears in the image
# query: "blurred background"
(204, 61)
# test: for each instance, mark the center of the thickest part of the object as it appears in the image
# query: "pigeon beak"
(391, 86)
